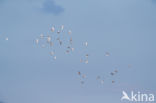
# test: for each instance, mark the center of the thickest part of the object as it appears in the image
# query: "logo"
(137, 97)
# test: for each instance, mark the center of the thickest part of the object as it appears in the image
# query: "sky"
(124, 28)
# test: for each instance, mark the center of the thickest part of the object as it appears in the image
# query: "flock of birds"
(56, 37)
(98, 78)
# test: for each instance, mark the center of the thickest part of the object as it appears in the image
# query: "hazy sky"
(125, 28)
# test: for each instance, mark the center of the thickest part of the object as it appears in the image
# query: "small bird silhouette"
(125, 96)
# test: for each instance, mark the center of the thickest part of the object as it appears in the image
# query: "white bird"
(41, 36)
(72, 49)
(58, 32)
(69, 32)
(52, 53)
(86, 43)
(49, 39)
(62, 27)
(86, 61)
(52, 29)
(125, 96)
(37, 41)
(55, 57)
(7, 38)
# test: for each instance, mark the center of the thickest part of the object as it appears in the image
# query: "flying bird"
(58, 32)
(52, 29)
(87, 55)
(113, 81)
(86, 61)
(49, 39)
(79, 73)
(7, 38)
(112, 73)
(55, 57)
(41, 36)
(72, 49)
(37, 41)
(52, 53)
(62, 27)
(69, 32)
(86, 43)
(107, 54)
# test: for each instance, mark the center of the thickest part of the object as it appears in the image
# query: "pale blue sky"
(125, 28)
